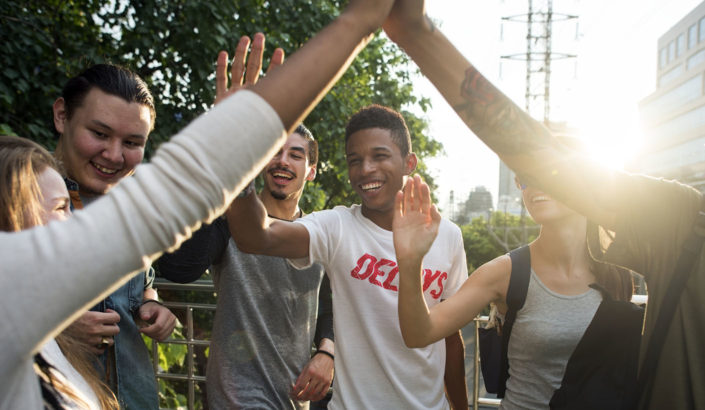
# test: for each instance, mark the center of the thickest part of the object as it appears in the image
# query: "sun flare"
(611, 131)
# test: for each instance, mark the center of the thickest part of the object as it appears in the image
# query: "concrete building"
(673, 116)
(509, 196)
(478, 204)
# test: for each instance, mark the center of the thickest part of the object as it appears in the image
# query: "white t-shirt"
(373, 366)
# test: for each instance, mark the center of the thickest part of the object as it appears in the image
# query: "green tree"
(485, 240)
(157, 34)
(172, 45)
(43, 42)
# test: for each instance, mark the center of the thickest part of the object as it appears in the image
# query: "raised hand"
(244, 71)
(416, 221)
(405, 16)
(369, 12)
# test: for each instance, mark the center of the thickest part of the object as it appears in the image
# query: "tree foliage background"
(485, 239)
(172, 45)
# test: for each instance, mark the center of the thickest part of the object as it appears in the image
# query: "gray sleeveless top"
(545, 333)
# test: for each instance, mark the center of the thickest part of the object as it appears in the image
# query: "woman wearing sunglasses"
(559, 304)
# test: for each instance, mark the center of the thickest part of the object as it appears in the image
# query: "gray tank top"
(545, 333)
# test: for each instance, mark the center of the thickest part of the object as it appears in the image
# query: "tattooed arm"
(521, 142)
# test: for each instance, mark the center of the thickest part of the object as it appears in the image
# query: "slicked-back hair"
(378, 116)
(111, 79)
(312, 143)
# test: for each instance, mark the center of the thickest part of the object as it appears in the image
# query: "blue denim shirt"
(128, 367)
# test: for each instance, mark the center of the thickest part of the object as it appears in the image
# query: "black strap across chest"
(516, 296)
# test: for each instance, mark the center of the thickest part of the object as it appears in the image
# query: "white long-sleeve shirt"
(49, 275)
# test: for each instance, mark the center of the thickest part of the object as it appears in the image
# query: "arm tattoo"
(496, 120)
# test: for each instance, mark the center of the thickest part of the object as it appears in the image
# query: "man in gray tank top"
(267, 316)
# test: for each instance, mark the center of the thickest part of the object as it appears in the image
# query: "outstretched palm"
(244, 71)
(416, 220)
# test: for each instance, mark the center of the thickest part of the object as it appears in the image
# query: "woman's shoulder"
(494, 275)
(501, 265)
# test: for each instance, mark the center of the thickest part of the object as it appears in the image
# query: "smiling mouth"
(282, 178)
(540, 198)
(286, 176)
(371, 186)
(109, 171)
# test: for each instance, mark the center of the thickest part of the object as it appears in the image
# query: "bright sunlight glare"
(614, 140)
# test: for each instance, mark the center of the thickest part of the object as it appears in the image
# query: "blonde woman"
(32, 192)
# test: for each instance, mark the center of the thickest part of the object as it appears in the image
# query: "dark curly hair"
(378, 116)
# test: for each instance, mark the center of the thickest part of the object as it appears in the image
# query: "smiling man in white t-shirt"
(374, 369)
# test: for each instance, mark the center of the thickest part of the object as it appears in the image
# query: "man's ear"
(411, 162)
(60, 115)
(311, 173)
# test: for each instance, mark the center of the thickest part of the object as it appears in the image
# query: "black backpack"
(494, 345)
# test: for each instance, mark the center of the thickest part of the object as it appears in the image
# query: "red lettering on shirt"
(379, 272)
(428, 277)
(360, 263)
(437, 293)
(388, 283)
(371, 269)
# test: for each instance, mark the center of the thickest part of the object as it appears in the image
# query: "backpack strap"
(516, 295)
(692, 247)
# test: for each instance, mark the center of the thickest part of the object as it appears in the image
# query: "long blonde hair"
(21, 163)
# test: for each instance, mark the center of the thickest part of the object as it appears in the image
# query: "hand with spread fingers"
(244, 70)
(416, 221)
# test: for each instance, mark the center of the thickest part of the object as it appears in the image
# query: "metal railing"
(190, 341)
(476, 400)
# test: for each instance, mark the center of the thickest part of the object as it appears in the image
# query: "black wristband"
(144, 302)
(329, 354)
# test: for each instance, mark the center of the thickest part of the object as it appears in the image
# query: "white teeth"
(105, 170)
(540, 198)
(371, 185)
(280, 175)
